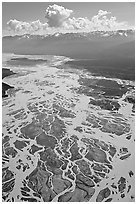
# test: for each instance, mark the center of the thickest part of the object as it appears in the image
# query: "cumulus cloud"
(14, 25)
(26, 27)
(56, 15)
(101, 21)
(102, 13)
(58, 19)
(77, 23)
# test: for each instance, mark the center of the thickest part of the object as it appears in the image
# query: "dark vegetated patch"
(5, 87)
(58, 128)
(131, 173)
(51, 159)
(6, 175)
(80, 178)
(110, 88)
(96, 154)
(109, 200)
(11, 151)
(24, 193)
(34, 149)
(6, 72)
(131, 99)
(20, 144)
(8, 186)
(46, 140)
(125, 156)
(106, 104)
(29, 199)
(104, 193)
(5, 139)
(75, 155)
(121, 184)
(32, 130)
(65, 163)
(24, 61)
(112, 151)
(25, 189)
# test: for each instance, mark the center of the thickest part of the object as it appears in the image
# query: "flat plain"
(68, 130)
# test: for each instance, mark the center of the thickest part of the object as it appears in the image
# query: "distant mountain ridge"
(70, 35)
(76, 45)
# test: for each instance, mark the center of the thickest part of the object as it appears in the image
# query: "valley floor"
(68, 135)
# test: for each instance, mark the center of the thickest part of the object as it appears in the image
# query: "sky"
(50, 17)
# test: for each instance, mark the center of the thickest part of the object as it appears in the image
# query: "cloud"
(101, 21)
(26, 27)
(14, 25)
(56, 15)
(58, 19)
(77, 23)
(102, 13)
(37, 25)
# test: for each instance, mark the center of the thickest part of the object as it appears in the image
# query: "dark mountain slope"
(75, 45)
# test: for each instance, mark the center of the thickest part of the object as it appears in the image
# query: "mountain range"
(92, 45)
